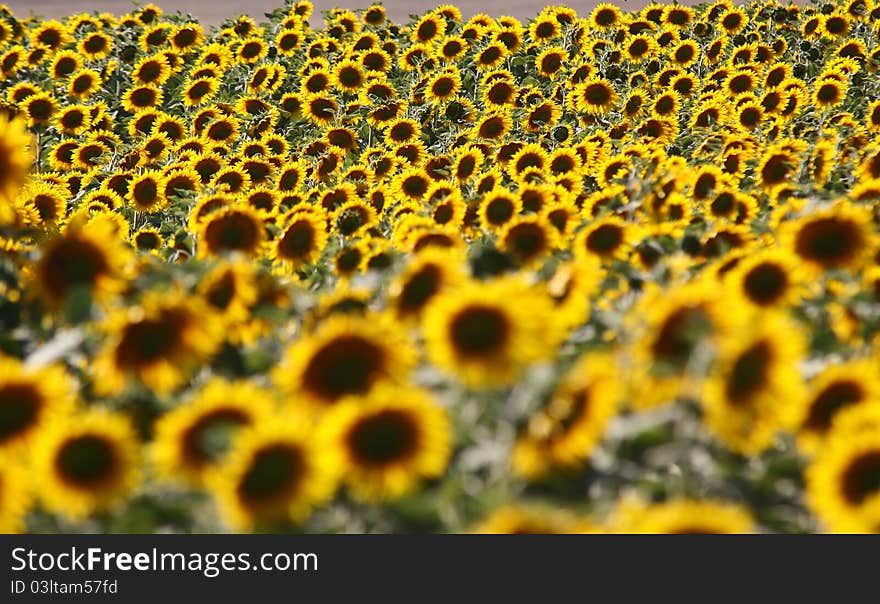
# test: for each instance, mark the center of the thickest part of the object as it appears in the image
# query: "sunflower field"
(616, 272)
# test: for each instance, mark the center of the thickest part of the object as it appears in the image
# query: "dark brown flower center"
(478, 331)
(275, 471)
(383, 438)
(346, 365)
(86, 461)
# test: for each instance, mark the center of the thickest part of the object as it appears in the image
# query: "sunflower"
(413, 184)
(289, 41)
(251, 50)
(733, 20)
(843, 481)
(65, 63)
(429, 273)
(474, 332)
(142, 97)
(529, 157)
(494, 125)
(836, 237)
(199, 91)
(320, 109)
(148, 239)
(345, 356)
(541, 115)
(46, 202)
(708, 113)
(829, 93)
(529, 239)
(151, 70)
(605, 16)
(103, 198)
(12, 60)
(498, 208)
(29, 400)
(351, 259)
(755, 388)
(640, 47)
(387, 442)
(836, 389)
(609, 238)
(302, 238)
(679, 325)
(39, 108)
(86, 257)
(146, 192)
(491, 56)
(192, 439)
(223, 129)
(276, 472)
(84, 83)
(685, 54)
(593, 96)
(234, 228)
(88, 462)
(682, 517)
(230, 290)
(51, 34)
(571, 287)
(768, 278)
(777, 166)
(187, 36)
(374, 15)
(159, 343)
(443, 86)
(564, 432)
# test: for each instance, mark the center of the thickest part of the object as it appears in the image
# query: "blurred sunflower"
(87, 462)
(29, 400)
(193, 438)
(345, 356)
(158, 343)
(388, 441)
(844, 480)
(755, 389)
(274, 473)
(475, 333)
(564, 432)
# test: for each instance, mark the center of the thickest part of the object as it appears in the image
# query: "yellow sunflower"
(832, 238)
(85, 257)
(158, 343)
(756, 389)
(427, 274)
(478, 333)
(345, 356)
(276, 472)
(193, 438)
(87, 462)
(843, 481)
(386, 443)
(593, 96)
(30, 397)
(564, 432)
(234, 228)
(835, 389)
